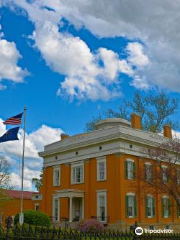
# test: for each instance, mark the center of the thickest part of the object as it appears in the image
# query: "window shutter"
(146, 206)
(154, 209)
(135, 207)
(126, 168)
(126, 207)
(134, 170)
(162, 205)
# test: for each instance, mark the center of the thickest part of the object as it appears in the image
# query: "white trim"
(56, 169)
(98, 195)
(130, 194)
(35, 205)
(53, 210)
(165, 196)
(134, 196)
(148, 163)
(152, 198)
(129, 160)
(101, 191)
(99, 161)
(75, 165)
(69, 193)
(37, 197)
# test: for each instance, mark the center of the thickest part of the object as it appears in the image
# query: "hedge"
(33, 217)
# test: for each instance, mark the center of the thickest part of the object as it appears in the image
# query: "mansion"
(90, 175)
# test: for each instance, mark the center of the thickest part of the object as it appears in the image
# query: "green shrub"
(33, 217)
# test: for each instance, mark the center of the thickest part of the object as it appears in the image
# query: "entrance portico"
(76, 202)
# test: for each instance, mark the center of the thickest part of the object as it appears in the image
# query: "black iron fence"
(41, 233)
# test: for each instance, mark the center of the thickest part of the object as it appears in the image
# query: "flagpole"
(22, 177)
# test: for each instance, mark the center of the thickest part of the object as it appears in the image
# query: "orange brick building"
(10, 202)
(89, 175)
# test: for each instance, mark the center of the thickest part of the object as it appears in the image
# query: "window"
(36, 206)
(2, 218)
(101, 169)
(151, 227)
(178, 212)
(56, 176)
(150, 206)
(130, 169)
(56, 210)
(148, 170)
(178, 176)
(164, 174)
(102, 206)
(77, 173)
(166, 207)
(131, 207)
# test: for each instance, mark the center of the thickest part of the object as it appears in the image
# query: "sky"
(69, 60)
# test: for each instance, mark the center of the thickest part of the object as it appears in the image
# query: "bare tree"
(4, 173)
(154, 109)
(159, 171)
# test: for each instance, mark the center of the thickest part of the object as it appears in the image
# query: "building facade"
(92, 175)
(10, 203)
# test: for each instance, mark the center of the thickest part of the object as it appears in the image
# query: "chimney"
(167, 131)
(64, 136)
(136, 121)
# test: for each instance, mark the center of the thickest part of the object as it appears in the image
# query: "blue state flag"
(10, 135)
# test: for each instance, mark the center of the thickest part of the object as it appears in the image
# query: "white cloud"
(156, 62)
(35, 142)
(68, 55)
(156, 24)
(136, 55)
(85, 77)
(9, 57)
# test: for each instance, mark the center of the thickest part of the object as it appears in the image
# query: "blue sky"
(68, 61)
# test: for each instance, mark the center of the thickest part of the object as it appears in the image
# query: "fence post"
(135, 226)
(8, 222)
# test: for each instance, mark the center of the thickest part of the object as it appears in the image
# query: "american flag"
(16, 120)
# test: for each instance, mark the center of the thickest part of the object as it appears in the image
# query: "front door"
(77, 208)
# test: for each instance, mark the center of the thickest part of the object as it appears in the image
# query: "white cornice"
(113, 140)
(101, 136)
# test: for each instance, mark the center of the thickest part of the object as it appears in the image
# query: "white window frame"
(131, 175)
(151, 197)
(149, 178)
(56, 169)
(132, 195)
(100, 161)
(164, 176)
(53, 210)
(166, 197)
(178, 176)
(35, 205)
(73, 166)
(102, 193)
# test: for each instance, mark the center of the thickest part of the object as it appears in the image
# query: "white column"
(70, 209)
